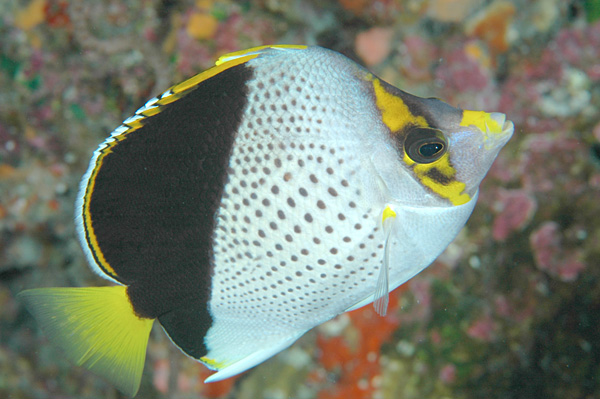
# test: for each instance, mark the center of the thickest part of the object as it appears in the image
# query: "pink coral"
(551, 256)
(532, 79)
(193, 54)
(160, 377)
(448, 374)
(238, 32)
(466, 77)
(558, 155)
(502, 306)
(571, 267)
(483, 329)
(545, 242)
(420, 288)
(417, 54)
(374, 45)
(189, 380)
(515, 208)
(461, 72)
(581, 48)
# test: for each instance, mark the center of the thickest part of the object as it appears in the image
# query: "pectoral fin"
(382, 290)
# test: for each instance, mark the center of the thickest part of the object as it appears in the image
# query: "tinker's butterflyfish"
(257, 200)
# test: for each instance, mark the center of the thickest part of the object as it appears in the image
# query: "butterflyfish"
(256, 200)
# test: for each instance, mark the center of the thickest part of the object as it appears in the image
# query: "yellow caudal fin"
(97, 328)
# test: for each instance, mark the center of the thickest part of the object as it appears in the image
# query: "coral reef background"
(510, 310)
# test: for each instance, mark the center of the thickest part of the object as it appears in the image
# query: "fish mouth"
(495, 138)
(508, 128)
(498, 117)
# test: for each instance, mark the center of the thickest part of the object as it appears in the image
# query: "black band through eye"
(424, 144)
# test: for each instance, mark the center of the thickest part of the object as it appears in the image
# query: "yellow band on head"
(395, 114)
(482, 120)
(453, 190)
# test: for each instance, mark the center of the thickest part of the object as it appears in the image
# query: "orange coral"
(29, 17)
(358, 363)
(202, 25)
(492, 26)
(57, 14)
(355, 6)
(217, 389)
(335, 352)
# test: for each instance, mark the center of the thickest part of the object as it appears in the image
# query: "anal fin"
(249, 361)
(187, 326)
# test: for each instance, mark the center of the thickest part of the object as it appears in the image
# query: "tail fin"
(97, 328)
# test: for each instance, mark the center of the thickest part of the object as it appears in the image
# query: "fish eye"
(424, 144)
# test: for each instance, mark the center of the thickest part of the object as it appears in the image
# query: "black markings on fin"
(186, 327)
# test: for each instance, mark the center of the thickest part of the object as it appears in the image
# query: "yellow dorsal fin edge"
(257, 50)
(97, 328)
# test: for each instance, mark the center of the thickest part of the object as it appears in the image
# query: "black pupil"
(429, 150)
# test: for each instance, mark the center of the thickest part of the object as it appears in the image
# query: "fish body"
(257, 200)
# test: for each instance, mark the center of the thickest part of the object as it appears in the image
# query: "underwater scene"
(104, 109)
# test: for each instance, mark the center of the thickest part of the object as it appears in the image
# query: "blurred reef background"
(510, 310)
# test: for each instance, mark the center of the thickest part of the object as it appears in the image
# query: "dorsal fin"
(255, 51)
